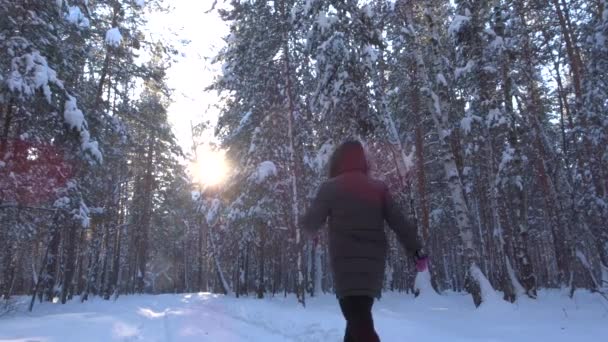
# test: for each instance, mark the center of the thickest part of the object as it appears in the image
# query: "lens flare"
(210, 168)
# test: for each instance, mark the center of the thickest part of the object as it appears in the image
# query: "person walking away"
(357, 206)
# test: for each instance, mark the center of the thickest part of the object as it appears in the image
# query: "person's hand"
(422, 261)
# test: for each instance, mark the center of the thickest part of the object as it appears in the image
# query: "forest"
(488, 120)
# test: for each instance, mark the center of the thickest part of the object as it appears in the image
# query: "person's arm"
(406, 231)
(317, 213)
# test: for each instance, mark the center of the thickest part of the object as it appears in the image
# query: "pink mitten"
(422, 264)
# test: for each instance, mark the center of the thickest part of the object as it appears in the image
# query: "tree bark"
(293, 160)
(70, 260)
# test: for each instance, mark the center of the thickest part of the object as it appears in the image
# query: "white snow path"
(206, 317)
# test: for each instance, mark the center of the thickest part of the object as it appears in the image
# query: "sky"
(193, 70)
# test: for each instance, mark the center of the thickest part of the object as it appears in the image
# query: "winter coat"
(357, 207)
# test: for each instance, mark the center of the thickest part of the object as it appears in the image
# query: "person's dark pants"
(357, 311)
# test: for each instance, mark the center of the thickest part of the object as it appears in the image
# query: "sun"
(211, 167)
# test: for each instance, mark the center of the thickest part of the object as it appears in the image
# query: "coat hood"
(350, 156)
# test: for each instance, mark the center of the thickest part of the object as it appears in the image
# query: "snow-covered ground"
(206, 317)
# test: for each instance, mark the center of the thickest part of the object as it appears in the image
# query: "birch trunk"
(218, 267)
(474, 277)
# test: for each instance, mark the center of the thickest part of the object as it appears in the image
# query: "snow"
(322, 156)
(498, 44)
(74, 118)
(61, 203)
(600, 40)
(371, 53)
(368, 11)
(495, 118)
(76, 17)
(519, 289)
(422, 284)
(408, 160)
(308, 6)
(465, 123)
(83, 215)
(436, 104)
(72, 115)
(436, 215)
(604, 277)
(195, 195)
(31, 72)
(213, 211)
(507, 157)
(265, 170)
(208, 317)
(244, 121)
(393, 92)
(489, 296)
(253, 146)
(324, 21)
(441, 80)
(457, 24)
(140, 3)
(583, 259)
(91, 146)
(113, 37)
(459, 72)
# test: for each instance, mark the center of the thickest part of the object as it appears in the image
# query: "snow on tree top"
(195, 195)
(244, 119)
(31, 72)
(498, 44)
(457, 24)
(265, 170)
(325, 21)
(441, 80)
(140, 3)
(308, 5)
(113, 37)
(213, 210)
(61, 202)
(74, 117)
(495, 118)
(600, 39)
(465, 123)
(323, 155)
(76, 17)
(369, 12)
(371, 52)
(82, 215)
(459, 72)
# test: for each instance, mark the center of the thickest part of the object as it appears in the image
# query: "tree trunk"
(475, 280)
(6, 128)
(571, 49)
(293, 160)
(50, 276)
(70, 260)
(261, 263)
